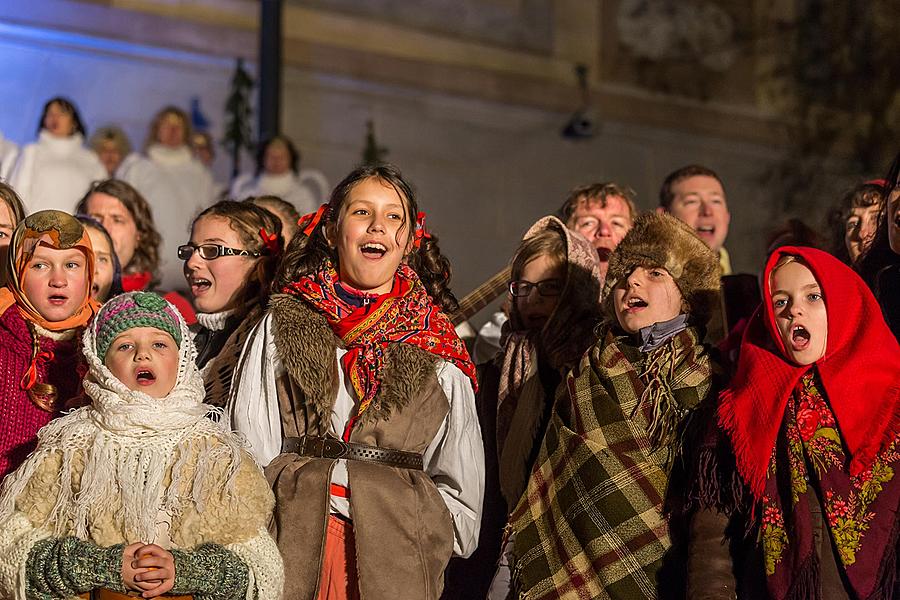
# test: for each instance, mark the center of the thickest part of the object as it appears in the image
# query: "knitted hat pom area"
(136, 309)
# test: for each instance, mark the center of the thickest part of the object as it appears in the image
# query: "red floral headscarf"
(860, 372)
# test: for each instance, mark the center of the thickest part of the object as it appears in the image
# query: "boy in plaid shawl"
(591, 522)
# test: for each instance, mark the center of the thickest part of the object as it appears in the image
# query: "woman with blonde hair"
(190, 186)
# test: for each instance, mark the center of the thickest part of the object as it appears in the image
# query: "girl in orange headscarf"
(45, 303)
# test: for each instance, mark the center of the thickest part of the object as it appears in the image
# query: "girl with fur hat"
(139, 492)
(356, 392)
(554, 300)
(591, 521)
(812, 423)
(46, 302)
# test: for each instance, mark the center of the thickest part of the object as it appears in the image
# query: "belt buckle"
(333, 448)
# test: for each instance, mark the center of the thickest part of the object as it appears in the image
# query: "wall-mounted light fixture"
(580, 125)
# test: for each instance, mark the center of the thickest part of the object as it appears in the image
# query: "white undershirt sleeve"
(253, 407)
(455, 459)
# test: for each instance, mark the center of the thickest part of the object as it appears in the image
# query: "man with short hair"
(603, 213)
(695, 195)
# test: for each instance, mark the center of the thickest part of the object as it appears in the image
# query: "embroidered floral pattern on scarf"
(859, 510)
(404, 315)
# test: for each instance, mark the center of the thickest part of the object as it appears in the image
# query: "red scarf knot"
(31, 375)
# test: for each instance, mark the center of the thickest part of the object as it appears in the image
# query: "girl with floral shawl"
(815, 439)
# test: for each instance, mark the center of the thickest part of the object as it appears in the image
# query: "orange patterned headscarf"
(54, 229)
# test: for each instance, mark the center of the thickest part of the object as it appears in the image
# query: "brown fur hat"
(661, 240)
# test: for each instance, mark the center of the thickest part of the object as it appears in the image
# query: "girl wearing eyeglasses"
(554, 305)
(357, 394)
(229, 265)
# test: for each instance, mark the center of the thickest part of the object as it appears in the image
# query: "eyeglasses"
(212, 251)
(547, 287)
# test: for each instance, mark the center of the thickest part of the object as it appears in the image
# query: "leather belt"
(107, 594)
(332, 447)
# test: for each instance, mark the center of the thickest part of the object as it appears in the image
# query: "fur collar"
(308, 347)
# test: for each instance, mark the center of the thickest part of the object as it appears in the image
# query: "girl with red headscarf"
(45, 303)
(811, 417)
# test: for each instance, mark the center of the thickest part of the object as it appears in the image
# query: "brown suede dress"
(403, 529)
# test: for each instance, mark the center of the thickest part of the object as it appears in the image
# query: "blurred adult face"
(110, 155)
(7, 226)
(118, 221)
(603, 224)
(277, 158)
(171, 131)
(700, 202)
(59, 121)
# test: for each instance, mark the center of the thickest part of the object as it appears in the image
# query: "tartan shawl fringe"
(591, 523)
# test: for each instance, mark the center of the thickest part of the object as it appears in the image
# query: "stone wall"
(474, 122)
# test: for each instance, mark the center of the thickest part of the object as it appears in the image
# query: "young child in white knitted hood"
(140, 491)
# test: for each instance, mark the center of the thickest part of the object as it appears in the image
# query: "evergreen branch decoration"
(238, 114)
(373, 154)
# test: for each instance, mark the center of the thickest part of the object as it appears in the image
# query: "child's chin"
(154, 391)
(58, 315)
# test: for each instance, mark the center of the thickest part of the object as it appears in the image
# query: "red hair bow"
(308, 223)
(421, 233)
(270, 241)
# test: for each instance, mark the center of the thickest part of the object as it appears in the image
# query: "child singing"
(358, 395)
(140, 491)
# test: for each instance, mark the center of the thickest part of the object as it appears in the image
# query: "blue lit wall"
(110, 81)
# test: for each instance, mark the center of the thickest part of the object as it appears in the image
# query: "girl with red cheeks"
(44, 305)
(813, 423)
(357, 395)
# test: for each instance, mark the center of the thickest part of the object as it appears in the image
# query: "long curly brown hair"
(146, 254)
(308, 254)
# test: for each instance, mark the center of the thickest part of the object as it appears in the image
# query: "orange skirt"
(339, 579)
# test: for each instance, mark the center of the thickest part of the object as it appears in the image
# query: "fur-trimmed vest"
(404, 532)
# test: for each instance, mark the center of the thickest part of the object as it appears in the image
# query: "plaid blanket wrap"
(590, 524)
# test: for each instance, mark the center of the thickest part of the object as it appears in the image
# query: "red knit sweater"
(20, 418)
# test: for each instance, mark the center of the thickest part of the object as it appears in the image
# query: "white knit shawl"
(137, 451)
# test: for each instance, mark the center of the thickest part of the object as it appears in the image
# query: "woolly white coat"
(54, 173)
